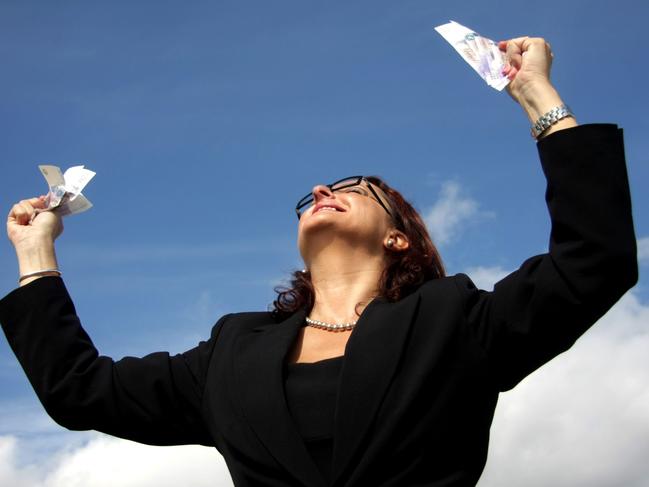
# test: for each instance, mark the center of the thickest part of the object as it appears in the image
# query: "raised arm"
(539, 310)
(155, 399)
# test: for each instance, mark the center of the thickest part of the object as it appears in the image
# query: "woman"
(374, 369)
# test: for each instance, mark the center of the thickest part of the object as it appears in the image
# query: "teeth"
(330, 208)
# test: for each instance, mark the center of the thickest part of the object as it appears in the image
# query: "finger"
(40, 202)
(540, 49)
(23, 211)
(536, 44)
(19, 214)
(514, 52)
(37, 202)
(511, 73)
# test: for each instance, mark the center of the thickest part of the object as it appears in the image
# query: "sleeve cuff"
(25, 298)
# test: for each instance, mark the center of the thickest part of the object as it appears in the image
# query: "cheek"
(300, 234)
(373, 223)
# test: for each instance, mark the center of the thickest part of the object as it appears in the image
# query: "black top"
(311, 391)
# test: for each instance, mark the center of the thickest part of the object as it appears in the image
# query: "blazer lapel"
(259, 361)
(372, 355)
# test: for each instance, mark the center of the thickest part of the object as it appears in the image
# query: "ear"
(396, 241)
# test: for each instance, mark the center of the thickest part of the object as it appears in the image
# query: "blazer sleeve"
(539, 311)
(155, 399)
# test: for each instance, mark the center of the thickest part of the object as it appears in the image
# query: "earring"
(390, 243)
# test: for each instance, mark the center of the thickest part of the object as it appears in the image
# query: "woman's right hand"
(26, 227)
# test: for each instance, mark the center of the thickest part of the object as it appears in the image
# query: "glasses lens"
(346, 183)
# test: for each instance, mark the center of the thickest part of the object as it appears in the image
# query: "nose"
(320, 192)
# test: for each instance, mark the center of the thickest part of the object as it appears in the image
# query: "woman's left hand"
(528, 63)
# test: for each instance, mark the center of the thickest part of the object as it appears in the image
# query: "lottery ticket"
(65, 189)
(481, 53)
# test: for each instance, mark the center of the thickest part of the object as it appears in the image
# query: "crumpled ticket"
(65, 189)
(481, 53)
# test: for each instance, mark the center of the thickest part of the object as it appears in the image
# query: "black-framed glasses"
(341, 184)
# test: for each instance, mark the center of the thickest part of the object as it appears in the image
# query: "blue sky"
(207, 121)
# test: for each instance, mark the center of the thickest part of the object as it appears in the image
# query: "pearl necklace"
(330, 326)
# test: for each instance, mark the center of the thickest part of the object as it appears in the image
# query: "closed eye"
(355, 190)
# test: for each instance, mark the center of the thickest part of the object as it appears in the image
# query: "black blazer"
(420, 378)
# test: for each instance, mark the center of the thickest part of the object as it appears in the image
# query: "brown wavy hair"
(404, 273)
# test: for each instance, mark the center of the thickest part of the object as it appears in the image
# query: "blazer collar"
(372, 355)
(258, 362)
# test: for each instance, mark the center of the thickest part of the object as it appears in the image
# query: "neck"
(345, 280)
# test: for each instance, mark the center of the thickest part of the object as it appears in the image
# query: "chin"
(313, 231)
(315, 223)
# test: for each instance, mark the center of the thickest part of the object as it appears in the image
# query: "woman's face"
(351, 214)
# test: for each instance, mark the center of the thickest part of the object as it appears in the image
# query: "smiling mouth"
(332, 209)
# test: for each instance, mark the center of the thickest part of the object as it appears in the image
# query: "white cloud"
(583, 419)
(36, 452)
(106, 462)
(643, 250)
(10, 474)
(451, 210)
(486, 277)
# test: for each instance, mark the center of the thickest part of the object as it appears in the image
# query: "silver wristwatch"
(548, 119)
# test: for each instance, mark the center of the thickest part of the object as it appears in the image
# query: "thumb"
(513, 49)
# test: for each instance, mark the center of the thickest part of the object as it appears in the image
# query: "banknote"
(65, 189)
(481, 53)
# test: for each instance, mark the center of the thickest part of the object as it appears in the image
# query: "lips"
(327, 206)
